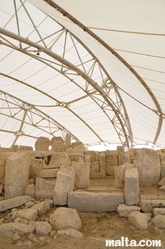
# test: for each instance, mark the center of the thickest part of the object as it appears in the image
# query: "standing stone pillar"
(131, 190)
(102, 164)
(120, 150)
(68, 141)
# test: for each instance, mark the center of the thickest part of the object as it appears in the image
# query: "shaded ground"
(97, 227)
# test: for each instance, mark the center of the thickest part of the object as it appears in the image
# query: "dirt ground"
(97, 227)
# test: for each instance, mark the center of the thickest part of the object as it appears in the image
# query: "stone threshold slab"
(13, 202)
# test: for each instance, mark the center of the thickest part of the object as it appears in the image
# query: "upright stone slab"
(82, 172)
(119, 176)
(162, 163)
(44, 188)
(120, 150)
(68, 141)
(64, 184)
(17, 174)
(102, 164)
(131, 190)
(94, 202)
(3, 158)
(42, 144)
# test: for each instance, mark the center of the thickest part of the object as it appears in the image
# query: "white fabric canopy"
(94, 69)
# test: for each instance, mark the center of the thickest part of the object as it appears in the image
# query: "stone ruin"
(58, 174)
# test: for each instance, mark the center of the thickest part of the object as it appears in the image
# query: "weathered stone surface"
(68, 141)
(162, 163)
(102, 164)
(125, 210)
(131, 190)
(13, 202)
(29, 190)
(95, 167)
(3, 158)
(60, 158)
(110, 170)
(120, 151)
(159, 221)
(43, 228)
(70, 232)
(26, 213)
(96, 175)
(147, 162)
(41, 207)
(58, 146)
(157, 211)
(139, 220)
(76, 156)
(8, 229)
(111, 158)
(94, 202)
(42, 144)
(64, 184)
(78, 147)
(82, 171)
(48, 173)
(64, 218)
(36, 165)
(17, 174)
(161, 182)
(44, 188)
(119, 176)
(147, 205)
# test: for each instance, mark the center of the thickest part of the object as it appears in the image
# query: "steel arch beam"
(124, 129)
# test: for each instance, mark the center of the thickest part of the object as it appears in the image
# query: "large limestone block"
(44, 188)
(120, 151)
(95, 175)
(159, 221)
(102, 164)
(42, 144)
(43, 228)
(82, 172)
(26, 213)
(94, 202)
(110, 170)
(68, 141)
(36, 165)
(60, 158)
(30, 190)
(70, 232)
(3, 158)
(162, 163)
(14, 202)
(139, 220)
(148, 163)
(17, 174)
(125, 210)
(64, 184)
(64, 218)
(161, 182)
(48, 173)
(131, 190)
(78, 147)
(111, 158)
(57, 144)
(95, 167)
(147, 205)
(76, 156)
(120, 174)
(157, 211)
(41, 207)
(7, 229)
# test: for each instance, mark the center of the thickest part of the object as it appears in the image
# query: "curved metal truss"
(97, 83)
(14, 108)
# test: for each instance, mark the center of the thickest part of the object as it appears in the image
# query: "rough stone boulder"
(147, 162)
(42, 144)
(17, 174)
(147, 205)
(26, 213)
(139, 220)
(7, 229)
(125, 210)
(57, 144)
(64, 218)
(70, 232)
(159, 221)
(60, 158)
(43, 228)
